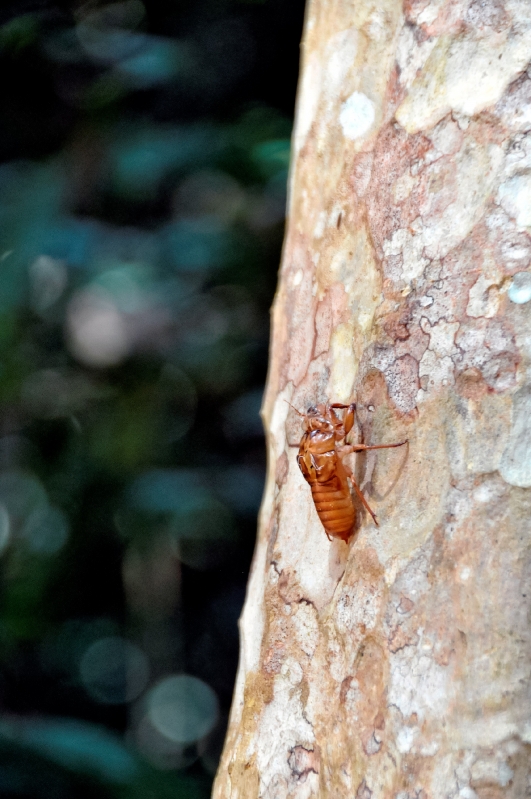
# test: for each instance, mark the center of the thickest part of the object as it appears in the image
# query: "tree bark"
(399, 665)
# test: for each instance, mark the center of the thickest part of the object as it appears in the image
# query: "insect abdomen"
(335, 508)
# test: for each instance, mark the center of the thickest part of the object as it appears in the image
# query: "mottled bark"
(398, 666)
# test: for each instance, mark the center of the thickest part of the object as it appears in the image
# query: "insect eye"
(312, 410)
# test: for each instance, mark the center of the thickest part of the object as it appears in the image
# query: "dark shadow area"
(144, 150)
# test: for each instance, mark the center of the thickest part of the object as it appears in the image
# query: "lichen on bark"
(398, 666)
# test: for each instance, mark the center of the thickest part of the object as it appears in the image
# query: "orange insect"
(320, 460)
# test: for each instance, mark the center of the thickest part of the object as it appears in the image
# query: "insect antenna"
(294, 408)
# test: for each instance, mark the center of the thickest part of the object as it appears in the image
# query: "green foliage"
(61, 757)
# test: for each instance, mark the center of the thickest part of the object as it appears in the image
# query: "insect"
(321, 452)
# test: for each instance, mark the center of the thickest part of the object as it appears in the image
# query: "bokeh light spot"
(48, 277)
(46, 530)
(97, 332)
(182, 708)
(21, 494)
(113, 670)
(160, 751)
(106, 33)
(52, 393)
(4, 528)
(242, 416)
(126, 284)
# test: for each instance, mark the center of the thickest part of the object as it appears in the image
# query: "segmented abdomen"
(335, 508)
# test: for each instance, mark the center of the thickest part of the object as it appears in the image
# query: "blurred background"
(144, 149)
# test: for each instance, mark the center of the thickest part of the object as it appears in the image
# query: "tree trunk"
(398, 666)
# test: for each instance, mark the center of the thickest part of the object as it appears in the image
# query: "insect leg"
(379, 446)
(348, 448)
(357, 489)
(348, 418)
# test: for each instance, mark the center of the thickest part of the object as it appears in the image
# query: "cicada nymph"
(321, 452)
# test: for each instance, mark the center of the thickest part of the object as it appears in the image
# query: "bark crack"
(302, 762)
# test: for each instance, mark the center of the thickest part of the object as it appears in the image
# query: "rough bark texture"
(399, 665)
